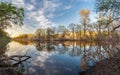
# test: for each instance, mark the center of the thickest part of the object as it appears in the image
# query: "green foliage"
(3, 34)
(4, 40)
(108, 7)
(111, 9)
(10, 14)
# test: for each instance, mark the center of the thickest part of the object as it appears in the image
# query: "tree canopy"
(10, 14)
(109, 7)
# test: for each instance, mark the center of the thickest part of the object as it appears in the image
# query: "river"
(58, 58)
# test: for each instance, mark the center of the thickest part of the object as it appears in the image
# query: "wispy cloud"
(68, 7)
(88, 0)
(40, 15)
(18, 3)
(46, 13)
(29, 7)
(15, 31)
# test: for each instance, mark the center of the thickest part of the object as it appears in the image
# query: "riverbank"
(84, 39)
(109, 66)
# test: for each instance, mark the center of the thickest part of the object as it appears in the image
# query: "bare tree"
(84, 18)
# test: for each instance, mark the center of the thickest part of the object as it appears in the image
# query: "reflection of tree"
(96, 53)
(39, 46)
(110, 49)
(24, 42)
(49, 47)
(75, 51)
(3, 48)
(62, 49)
(10, 65)
(89, 51)
(83, 62)
(6, 64)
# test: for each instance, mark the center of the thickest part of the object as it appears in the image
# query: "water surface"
(59, 58)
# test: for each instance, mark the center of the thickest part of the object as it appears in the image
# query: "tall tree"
(10, 14)
(109, 7)
(61, 29)
(84, 17)
(78, 31)
(38, 33)
(72, 29)
(49, 33)
(100, 23)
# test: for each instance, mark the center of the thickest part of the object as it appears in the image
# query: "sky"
(49, 13)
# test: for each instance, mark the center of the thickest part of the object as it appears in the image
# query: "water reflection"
(6, 66)
(3, 48)
(61, 58)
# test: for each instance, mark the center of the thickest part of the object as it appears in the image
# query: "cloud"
(18, 3)
(39, 12)
(88, 0)
(43, 15)
(40, 18)
(29, 7)
(50, 15)
(68, 7)
(49, 6)
(16, 30)
(33, 1)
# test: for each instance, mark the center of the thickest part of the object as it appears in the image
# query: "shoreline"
(109, 66)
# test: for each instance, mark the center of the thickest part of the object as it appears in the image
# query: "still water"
(59, 58)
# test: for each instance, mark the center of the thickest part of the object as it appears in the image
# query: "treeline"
(104, 28)
(24, 37)
(85, 30)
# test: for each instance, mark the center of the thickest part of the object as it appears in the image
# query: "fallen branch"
(19, 61)
(12, 57)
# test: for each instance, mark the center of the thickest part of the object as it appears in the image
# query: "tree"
(61, 29)
(50, 34)
(99, 24)
(109, 7)
(10, 14)
(90, 30)
(78, 31)
(84, 17)
(72, 28)
(3, 34)
(38, 33)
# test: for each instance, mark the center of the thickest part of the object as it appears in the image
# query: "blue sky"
(47, 13)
